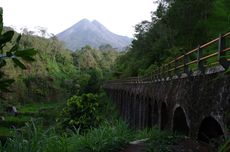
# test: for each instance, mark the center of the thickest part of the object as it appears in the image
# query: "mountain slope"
(92, 33)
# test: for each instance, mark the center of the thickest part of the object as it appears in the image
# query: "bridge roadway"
(197, 106)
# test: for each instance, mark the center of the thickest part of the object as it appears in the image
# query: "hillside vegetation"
(176, 27)
(57, 72)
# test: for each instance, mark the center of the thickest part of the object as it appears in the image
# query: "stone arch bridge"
(195, 103)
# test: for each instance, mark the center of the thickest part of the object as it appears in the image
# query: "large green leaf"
(9, 54)
(4, 84)
(1, 74)
(28, 58)
(18, 63)
(6, 37)
(18, 38)
(16, 46)
(2, 63)
(26, 52)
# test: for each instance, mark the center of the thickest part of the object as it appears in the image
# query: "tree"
(105, 47)
(177, 26)
(13, 53)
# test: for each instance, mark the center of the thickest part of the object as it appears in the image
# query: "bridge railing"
(214, 53)
(198, 59)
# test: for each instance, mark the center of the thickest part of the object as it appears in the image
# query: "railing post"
(175, 68)
(199, 62)
(169, 72)
(163, 72)
(159, 73)
(186, 67)
(221, 55)
(153, 76)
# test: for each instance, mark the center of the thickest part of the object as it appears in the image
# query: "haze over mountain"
(91, 33)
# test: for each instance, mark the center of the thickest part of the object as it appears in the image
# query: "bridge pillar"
(137, 111)
(164, 115)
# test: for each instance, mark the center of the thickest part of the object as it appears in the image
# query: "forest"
(58, 94)
(176, 27)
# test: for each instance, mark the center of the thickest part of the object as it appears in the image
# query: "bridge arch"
(164, 115)
(210, 129)
(180, 123)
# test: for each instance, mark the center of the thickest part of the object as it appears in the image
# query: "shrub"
(81, 112)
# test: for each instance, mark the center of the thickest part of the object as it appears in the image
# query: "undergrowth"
(158, 140)
(109, 136)
(225, 147)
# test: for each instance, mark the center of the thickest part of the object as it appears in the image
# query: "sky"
(119, 16)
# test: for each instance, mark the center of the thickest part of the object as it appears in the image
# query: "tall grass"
(111, 135)
(34, 139)
(107, 138)
(225, 147)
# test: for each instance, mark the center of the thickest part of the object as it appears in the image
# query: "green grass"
(35, 107)
(16, 121)
(17, 118)
(159, 141)
(44, 112)
(225, 147)
(111, 135)
(107, 138)
(6, 131)
(11, 124)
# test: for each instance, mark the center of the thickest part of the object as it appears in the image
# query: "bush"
(81, 112)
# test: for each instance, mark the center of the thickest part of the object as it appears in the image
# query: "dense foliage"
(111, 134)
(57, 73)
(106, 138)
(176, 27)
(81, 112)
(94, 66)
